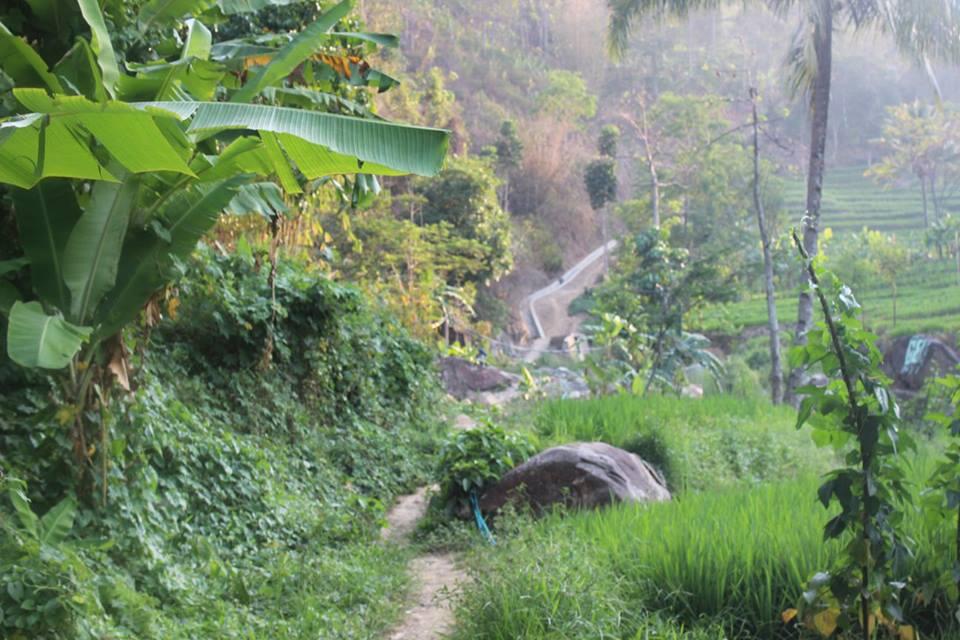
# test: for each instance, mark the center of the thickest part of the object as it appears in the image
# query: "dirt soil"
(436, 576)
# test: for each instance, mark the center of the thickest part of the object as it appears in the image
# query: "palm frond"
(922, 28)
(800, 65)
(624, 15)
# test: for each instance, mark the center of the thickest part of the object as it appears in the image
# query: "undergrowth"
(244, 491)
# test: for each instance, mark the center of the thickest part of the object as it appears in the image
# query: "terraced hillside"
(928, 302)
(852, 201)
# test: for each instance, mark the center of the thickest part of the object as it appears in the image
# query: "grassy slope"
(244, 501)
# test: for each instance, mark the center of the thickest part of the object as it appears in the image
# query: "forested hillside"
(530, 79)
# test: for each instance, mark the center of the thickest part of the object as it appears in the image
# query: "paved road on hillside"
(548, 309)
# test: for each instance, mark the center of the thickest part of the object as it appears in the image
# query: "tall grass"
(707, 565)
(713, 564)
(736, 556)
(698, 444)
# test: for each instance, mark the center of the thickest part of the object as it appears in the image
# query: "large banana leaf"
(45, 215)
(199, 41)
(9, 266)
(324, 143)
(293, 54)
(157, 12)
(54, 141)
(80, 65)
(93, 250)
(271, 146)
(230, 7)
(160, 11)
(55, 525)
(262, 198)
(147, 254)
(35, 339)
(189, 78)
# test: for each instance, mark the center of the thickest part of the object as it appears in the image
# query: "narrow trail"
(436, 576)
(548, 309)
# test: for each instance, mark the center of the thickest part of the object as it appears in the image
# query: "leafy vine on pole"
(856, 414)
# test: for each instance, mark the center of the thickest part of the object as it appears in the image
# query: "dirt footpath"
(435, 575)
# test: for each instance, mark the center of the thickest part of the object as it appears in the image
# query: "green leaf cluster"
(471, 461)
(120, 171)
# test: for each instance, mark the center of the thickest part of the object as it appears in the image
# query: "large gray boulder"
(465, 380)
(580, 475)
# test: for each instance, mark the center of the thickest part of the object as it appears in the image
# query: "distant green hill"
(851, 202)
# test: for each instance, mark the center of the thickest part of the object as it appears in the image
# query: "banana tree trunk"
(819, 107)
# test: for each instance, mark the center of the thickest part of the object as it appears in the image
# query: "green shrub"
(716, 441)
(584, 303)
(472, 460)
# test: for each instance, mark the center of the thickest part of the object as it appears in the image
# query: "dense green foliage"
(241, 499)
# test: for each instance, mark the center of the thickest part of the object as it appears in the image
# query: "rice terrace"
(503, 320)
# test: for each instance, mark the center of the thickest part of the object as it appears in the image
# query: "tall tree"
(600, 181)
(924, 28)
(509, 156)
(773, 324)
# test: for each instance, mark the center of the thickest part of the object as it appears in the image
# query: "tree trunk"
(773, 324)
(603, 229)
(933, 195)
(956, 253)
(819, 106)
(923, 194)
(651, 167)
(894, 304)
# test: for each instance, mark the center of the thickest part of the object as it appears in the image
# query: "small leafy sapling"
(472, 461)
(941, 501)
(856, 414)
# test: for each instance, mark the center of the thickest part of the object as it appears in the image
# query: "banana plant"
(115, 172)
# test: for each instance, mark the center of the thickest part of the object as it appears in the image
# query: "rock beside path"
(580, 475)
